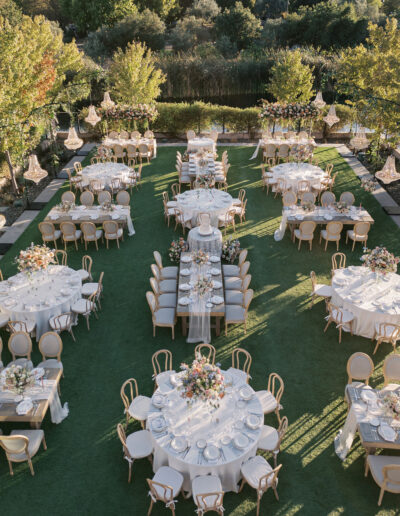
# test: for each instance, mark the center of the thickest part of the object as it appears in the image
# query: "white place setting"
(212, 201)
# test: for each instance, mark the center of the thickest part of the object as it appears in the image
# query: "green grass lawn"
(83, 471)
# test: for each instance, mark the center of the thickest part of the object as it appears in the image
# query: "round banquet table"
(208, 243)
(370, 298)
(197, 423)
(105, 172)
(212, 201)
(48, 293)
(201, 143)
(295, 172)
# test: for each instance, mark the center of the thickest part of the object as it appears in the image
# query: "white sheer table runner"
(46, 390)
(208, 243)
(370, 298)
(212, 201)
(46, 294)
(199, 423)
(282, 141)
(199, 318)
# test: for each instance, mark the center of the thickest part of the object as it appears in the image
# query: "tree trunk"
(14, 183)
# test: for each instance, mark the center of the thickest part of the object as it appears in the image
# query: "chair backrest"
(68, 197)
(166, 356)
(62, 321)
(359, 367)
(283, 426)
(20, 345)
(338, 261)
(244, 269)
(190, 134)
(278, 134)
(78, 166)
(1, 276)
(131, 151)
(348, 198)
(135, 135)
(207, 350)
(95, 160)
(390, 331)
(204, 219)
(289, 198)
(87, 198)
(308, 197)
(176, 189)
(248, 296)
(160, 491)
(214, 136)
(129, 391)
(327, 198)
(334, 228)
(302, 134)
(47, 229)
(151, 300)
(156, 271)
(158, 259)
(118, 151)
(110, 227)
(148, 134)
(103, 197)
(155, 287)
(362, 228)
(329, 168)
(307, 227)
(283, 151)
(60, 257)
(276, 386)
(242, 256)
(87, 263)
(281, 185)
(124, 135)
(50, 345)
(335, 313)
(123, 198)
(144, 149)
(246, 282)
(391, 475)
(391, 368)
(122, 438)
(303, 186)
(88, 229)
(270, 479)
(241, 359)
(289, 134)
(270, 151)
(15, 444)
(210, 501)
(113, 134)
(68, 229)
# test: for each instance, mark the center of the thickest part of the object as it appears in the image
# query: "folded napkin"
(24, 407)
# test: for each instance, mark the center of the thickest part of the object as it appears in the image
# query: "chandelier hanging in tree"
(35, 172)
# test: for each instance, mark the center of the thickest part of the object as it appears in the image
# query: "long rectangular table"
(218, 311)
(151, 142)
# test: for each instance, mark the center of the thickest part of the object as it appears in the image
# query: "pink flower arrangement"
(380, 260)
(139, 112)
(392, 405)
(291, 110)
(177, 248)
(202, 381)
(34, 258)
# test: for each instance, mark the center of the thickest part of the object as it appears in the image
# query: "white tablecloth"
(151, 142)
(201, 143)
(105, 172)
(370, 299)
(201, 426)
(48, 293)
(196, 170)
(212, 201)
(208, 243)
(282, 141)
(292, 173)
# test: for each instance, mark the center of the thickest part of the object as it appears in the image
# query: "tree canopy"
(238, 24)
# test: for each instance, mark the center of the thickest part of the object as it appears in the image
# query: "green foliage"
(134, 76)
(189, 32)
(163, 8)
(239, 24)
(227, 4)
(206, 9)
(10, 11)
(145, 26)
(371, 76)
(291, 80)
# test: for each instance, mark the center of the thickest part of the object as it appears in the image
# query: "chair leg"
(354, 243)
(130, 472)
(44, 443)
(327, 325)
(87, 321)
(31, 467)
(11, 469)
(381, 496)
(258, 504)
(150, 508)
(72, 333)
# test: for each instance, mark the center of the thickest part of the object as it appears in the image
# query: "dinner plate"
(374, 421)
(216, 284)
(158, 400)
(387, 432)
(226, 439)
(179, 444)
(65, 291)
(186, 259)
(185, 272)
(246, 393)
(216, 259)
(217, 300)
(209, 305)
(211, 452)
(253, 421)
(241, 441)
(201, 444)
(24, 407)
(185, 287)
(368, 395)
(184, 301)
(158, 424)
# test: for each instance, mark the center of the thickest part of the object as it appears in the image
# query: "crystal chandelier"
(360, 140)
(107, 102)
(73, 142)
(331, 117)
(92, 118)
(34, 173)
(389, 168)
(319, 102)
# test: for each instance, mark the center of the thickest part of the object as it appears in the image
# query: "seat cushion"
(51, 363)
(168, 285)
(322, 290)
(347, 316)
(203, 485)
(169, 477)
(165, 316)
(387, 332)
(114, 236)
(55, 236)
(254, 469)
(269, 438)
(230, 270)
(98, 235)
(82, 306)
(325, 235)
(167, 301)
(303, 236)
(236, 202)
(89, 288)
(84, 275)
(139, 408)
(172, 204)
(234, 297)
(139, 444)
(63, 321)
(169, 272)
(35, 438)
(233, 283)
(234, 313)
(267, 400)
(377, 463)
(78, 234)
(353, 236)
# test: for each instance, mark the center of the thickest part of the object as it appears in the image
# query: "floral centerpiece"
(200, 257)
(202, 286)
(341, 206)
(230, 250)
(205, 181)
(301, 154)
(108, 206)
(308, 206)
(391, 402)
(18, 379)
(177, 248)
(289, 111)
(203, 382)
(104, 152)
(66, 206)
(34, 258)
(369, 185)
(380, 260)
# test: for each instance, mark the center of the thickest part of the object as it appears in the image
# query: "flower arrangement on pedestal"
(18, 379)
(391, 403)
(230, 250)
(34, 258)
(341, 207)
(369, 185)
(203, 382)
(200, 257)
(177, 248)
(202, 286)
(380, 260)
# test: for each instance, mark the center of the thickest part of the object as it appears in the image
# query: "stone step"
(48, 193)
(62, 174)
(84, 151)
(15, 231)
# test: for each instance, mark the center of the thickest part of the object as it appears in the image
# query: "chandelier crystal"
(360, 140)
(35, 172)
(319, 102)
(331, 117)
(73, 141)
(92, 118)
(107, 102)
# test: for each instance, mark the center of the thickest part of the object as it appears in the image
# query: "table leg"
(184, 326)
(217, 326)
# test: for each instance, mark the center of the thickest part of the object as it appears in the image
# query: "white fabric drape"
(212, 201)
(199, 321)
(208, 243)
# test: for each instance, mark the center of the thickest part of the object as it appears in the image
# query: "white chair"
(331, 233)
(112, 231)
(236, 297)
(386, 332)
(359, 233)
(162, 371)
(86, 272)
(319, 289)
(236, 314)
(20, 345)
(305, 232)
(85, 307)
(162, 317)
(391, 372)
(136, 446)
(341, 318)
(359, 370)
(165, 486)
(241, 363)
(94, 289)
(167, 300)
(165, 286)
(166, 272)
(21, 446)
(50, 347)
(260, 476)
(271, 398)
(25, 325)
(385, 471)
(271, 438)
(62, 322)
(207, 494)
(234, 270)
(136, 406)
(235, 282)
